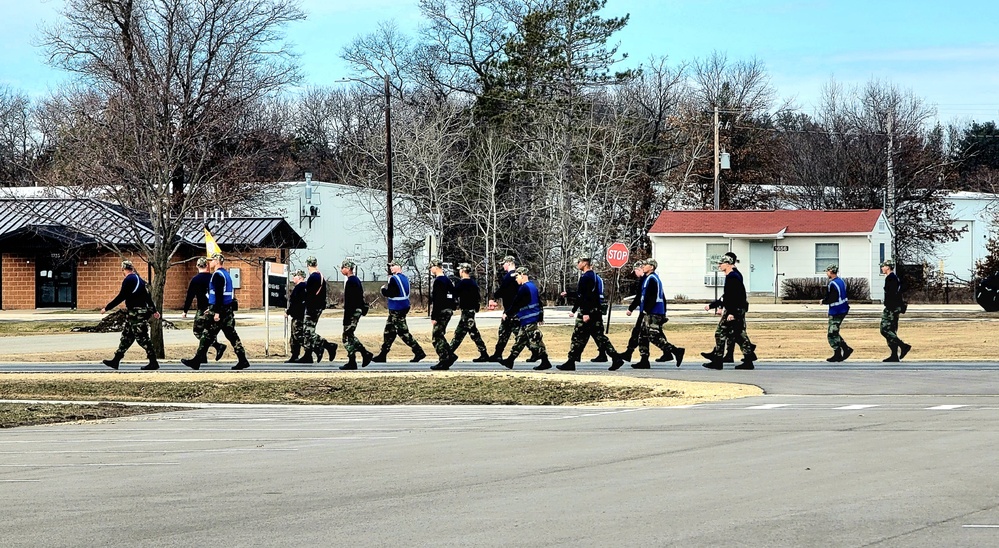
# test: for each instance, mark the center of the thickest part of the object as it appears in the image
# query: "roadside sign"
(617, 255)
(277, 285)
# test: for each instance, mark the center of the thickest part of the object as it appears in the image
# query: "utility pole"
(388, 169)
(717, 188)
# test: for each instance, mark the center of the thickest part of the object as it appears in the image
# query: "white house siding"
(973, 211)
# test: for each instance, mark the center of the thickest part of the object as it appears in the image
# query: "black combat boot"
(366, 358)
(195, 362)
(306, 357)
(569, 365)
(115, 361)
(642, 363)
(894, 354)
(219, 350)
(350, 365)
(601, 357)
(380, 358)
(746, 364)
(331, 348)
(667, 356)
(626, 355)
(714, 360)
(241, 363)
(534, 357)
(319, 353)
(418, 355)
(545, 364)
(294, 354)
(507, 363)
(903, 349)
(836, 357)
(617, 361)
(846, 352)
(483, 358)
(678, 354)
(152, 365)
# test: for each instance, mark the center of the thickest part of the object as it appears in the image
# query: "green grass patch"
(27, 414)
(415, 390)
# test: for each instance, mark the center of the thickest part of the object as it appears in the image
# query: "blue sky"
(945, 52)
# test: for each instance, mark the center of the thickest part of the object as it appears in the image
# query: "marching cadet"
(315, 303)
(653, 316)
(441, 311)
(894, 306)
(526, 307)
(197, 291)
(139, 306)
(730, 345)
(733, 321)
(354, 307)
(397, 293)
(221, 316)
(589, 318)
(296, 312)
(636, 331)
(507, 292)
(839, 306)
(469, 301)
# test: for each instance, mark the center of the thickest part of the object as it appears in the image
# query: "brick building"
(67, 253)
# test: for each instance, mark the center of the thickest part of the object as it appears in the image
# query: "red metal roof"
(796, 221)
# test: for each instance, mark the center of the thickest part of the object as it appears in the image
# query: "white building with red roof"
(770, 245)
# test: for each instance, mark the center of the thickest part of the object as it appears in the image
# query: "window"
(713, 255)
(882, 246)
(825, 255)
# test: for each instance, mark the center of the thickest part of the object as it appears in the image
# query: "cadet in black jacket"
(353, 308)
(469, 299)
(140, 307)
(296, 313)
(197, 291)
(733, 321)
(589, 318)
(315, 303)
(507, 292)
(222, 317)
(442, 303)
(889, 317)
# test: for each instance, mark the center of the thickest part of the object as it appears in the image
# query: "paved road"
(851, 455)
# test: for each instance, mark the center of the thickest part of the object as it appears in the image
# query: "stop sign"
(617, 254)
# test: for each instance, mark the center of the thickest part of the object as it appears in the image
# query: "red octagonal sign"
(617, 254)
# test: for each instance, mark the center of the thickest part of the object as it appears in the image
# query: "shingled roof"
(75, 222)
(790, 221)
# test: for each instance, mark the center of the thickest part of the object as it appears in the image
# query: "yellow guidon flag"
(211, 247)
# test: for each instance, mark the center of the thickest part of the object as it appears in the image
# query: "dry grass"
(27, 414)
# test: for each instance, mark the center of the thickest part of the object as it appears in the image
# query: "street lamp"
(722, 161)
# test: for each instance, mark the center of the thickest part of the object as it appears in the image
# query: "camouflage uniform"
(441, 346)
(227, 325)
(734, 330)
(889, 326)
(297, 341)
(652, 332)
(312, 341)
(466, 325)
(530, 336)
(582, 332)
(396, 325)
(136, 330)
(350, 340)
(507, 327)
(832, 333)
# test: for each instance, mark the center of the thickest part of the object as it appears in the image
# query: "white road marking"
(854, 407)
(89, 464)
(981, 526)
(945, 407)
(770, 406)
(20, 481)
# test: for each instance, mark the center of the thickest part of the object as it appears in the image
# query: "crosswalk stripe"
(770, 406)
(945, 407)
(854, 407)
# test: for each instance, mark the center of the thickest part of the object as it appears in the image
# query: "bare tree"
(162, 89)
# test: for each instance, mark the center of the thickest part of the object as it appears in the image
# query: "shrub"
(814, 289)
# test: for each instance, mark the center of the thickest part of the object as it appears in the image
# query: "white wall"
(350, 224)
(972, 210)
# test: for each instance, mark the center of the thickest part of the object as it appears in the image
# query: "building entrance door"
(761, 267)
(55, 282)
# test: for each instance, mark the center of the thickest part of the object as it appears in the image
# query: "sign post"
(617, 256)
(275, 294)
(778, 249)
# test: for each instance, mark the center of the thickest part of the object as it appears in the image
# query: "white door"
(761, 267)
